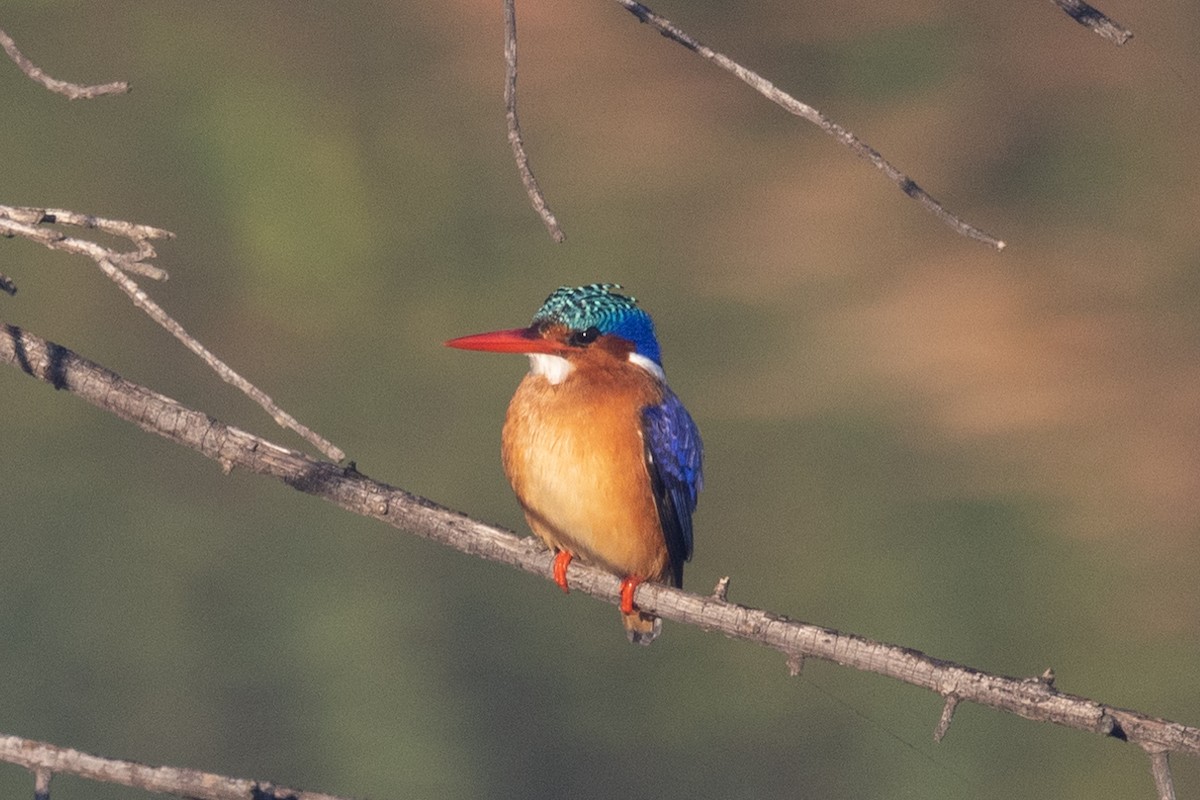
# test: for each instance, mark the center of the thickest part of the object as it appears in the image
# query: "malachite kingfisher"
(603, 457)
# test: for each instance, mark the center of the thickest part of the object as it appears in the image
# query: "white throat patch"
(553, 368)
(648, 365)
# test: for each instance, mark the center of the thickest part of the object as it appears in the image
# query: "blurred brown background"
(988, 456)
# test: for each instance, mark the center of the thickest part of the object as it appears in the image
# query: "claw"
(629, 585)
(561, 562)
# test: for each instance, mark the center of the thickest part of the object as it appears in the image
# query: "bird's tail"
(641, 628)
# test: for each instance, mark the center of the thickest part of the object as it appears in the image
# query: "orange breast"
(574, 454)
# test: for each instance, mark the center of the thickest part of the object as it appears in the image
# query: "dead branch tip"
(515, 140)
(1095, 19)
(72, 91)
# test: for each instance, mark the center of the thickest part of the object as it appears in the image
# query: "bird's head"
(575, 323)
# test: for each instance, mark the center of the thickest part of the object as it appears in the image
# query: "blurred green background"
(994, 458)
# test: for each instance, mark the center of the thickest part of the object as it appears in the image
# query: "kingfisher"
(605, 460)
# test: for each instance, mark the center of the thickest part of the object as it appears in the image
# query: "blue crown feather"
(597, 305)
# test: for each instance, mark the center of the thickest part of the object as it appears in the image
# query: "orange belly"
(574, 455)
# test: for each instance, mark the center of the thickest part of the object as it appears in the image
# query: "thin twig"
(1033, 698)
(156, 313)
(514, 125)
(776, 95)
(45, 759)
(29, 223)
(72, 91)
(31, 220)
(1097, 20)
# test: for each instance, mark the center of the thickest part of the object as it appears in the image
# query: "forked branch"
(760, 84)
(34, 224)
(1034, 698)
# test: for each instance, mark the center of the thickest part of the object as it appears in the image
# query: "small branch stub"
(1046, 679)
(1160, 769)
(41, 784)
(946, 718)
(795, 665)
(721, 590)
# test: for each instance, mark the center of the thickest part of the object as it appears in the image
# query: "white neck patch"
(648, 365)
(551, 367)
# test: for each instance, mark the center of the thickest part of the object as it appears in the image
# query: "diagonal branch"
(72, 91)
(790, 104)
(1033, 698)
(44, 759)
(29, 223)
(1092, 17)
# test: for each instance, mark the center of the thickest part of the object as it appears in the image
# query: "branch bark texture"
(72, 91)
(44, 759)
(1033, 698)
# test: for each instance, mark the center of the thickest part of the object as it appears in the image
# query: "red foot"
(629, 585)
(561, 562)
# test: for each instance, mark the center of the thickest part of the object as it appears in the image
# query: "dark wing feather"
(674, 456)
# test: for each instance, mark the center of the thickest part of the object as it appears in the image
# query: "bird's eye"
(585, 337)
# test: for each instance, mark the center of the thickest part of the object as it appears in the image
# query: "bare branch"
(781, 98)
(1033, 698)
(1094, 18)
(72, 91)
(514, 125)
(28, 222)
(44, 759)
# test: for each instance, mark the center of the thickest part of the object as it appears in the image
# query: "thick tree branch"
(1094, 18)
(1032, 698)
(44, 759)
(32, 224)
(72, 91)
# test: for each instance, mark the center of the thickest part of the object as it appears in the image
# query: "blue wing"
(674, 456)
